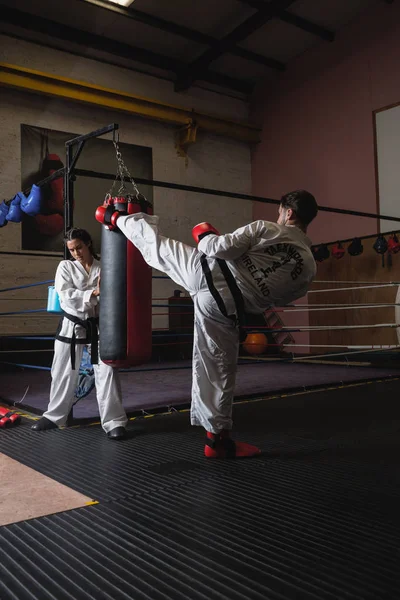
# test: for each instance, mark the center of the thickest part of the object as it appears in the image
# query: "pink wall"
(318, 131)
(317, 122)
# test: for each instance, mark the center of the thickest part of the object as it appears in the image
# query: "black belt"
(238, 319)
(92, 336)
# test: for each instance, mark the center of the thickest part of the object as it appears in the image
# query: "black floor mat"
(315, 517)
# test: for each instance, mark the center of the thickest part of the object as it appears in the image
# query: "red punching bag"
(125, 331)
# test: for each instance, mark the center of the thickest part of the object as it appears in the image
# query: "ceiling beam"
(98, 42)
(36, 82)
(305, 25)
(198, 67)
(298, 22)
(185, 32)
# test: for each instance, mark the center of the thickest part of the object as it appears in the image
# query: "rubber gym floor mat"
(314, 518)
(299, 534)
(166, 451)
(85, 460)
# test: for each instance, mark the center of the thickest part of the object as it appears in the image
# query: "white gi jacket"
(74, 287)
(272, 264)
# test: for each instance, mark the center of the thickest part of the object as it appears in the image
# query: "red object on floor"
(8, 418)
(222, 446)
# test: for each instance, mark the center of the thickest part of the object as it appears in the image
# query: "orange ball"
(255, 343)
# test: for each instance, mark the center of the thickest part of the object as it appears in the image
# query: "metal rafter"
(55, 86)
(198, 68)
(182, 31)
(308, 26)
(293, 19)
(98, 42)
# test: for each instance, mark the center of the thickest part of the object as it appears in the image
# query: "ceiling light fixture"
(125, 3)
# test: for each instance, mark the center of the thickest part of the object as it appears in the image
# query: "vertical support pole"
(68, 195)
(68, 222)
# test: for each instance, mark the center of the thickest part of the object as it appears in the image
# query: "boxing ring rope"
(162, 334)
(252, 328)
(355, 282)
(228, 194)
(336, 354)
(349, 289)
(339, 307)
(28, 285)
(289, 308)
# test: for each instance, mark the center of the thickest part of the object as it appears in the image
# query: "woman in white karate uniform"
(77, 283)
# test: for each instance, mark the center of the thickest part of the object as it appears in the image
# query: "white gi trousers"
(65, 380)
(216, 338)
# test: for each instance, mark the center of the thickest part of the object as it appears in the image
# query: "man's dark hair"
(302, 203)
(76, 233)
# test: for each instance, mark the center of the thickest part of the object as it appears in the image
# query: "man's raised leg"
(177, 260)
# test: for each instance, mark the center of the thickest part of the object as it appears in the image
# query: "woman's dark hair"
(81, 234)
(302, 203)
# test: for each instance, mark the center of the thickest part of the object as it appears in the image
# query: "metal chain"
(122, 172)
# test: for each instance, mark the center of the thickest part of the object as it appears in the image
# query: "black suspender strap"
(213, 290)
(233, 288)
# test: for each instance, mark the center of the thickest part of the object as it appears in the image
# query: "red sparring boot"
(220, 445)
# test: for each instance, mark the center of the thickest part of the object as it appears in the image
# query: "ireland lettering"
(256, 274)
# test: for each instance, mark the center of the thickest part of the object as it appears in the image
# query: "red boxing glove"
(108, 216)
(203, 229)
(8, 418)
(338, 251)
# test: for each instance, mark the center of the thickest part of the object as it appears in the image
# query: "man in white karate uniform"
(267, 264)
(77, 283)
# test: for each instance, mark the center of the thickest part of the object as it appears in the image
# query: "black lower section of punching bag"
(113, 296)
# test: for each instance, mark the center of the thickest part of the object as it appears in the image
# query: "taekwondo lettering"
(283, 254)
(287, 253)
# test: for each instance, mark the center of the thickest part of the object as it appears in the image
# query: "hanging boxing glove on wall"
(381, 247)
(355, 247)
(393, 248)
(338, 251)
(321, 253)
(4, 208)
(393, 244)
(14, 212)
(32, 204)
